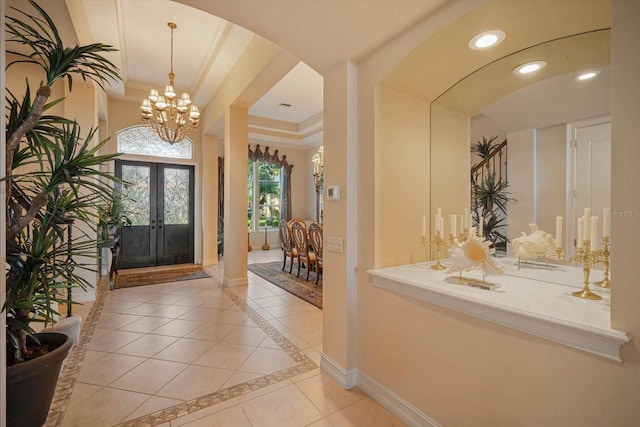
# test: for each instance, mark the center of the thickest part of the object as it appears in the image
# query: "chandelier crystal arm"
(170, 117)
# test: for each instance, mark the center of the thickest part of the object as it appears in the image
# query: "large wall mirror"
(556, 128)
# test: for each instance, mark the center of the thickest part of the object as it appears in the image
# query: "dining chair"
(288, 248)
(315, 236)
(299, 233)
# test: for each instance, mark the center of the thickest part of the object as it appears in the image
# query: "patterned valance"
(274, 159)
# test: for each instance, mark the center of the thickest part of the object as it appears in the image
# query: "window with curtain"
(264, 191)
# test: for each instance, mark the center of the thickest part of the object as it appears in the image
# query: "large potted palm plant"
(53, 181)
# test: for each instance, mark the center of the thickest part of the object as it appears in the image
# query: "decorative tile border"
(71, 370)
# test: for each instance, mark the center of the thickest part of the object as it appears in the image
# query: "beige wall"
(449, 158)
(401, 177)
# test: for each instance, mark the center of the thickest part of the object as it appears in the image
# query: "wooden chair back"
(299, 234)
(315, 236)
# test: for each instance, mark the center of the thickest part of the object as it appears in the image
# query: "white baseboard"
(402, 409)
(346, 379)
(395, 404)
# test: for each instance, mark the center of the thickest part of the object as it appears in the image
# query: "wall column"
(209, 199)
(236, 154)
(340, 221)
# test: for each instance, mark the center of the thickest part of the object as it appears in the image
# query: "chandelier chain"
(170, 116)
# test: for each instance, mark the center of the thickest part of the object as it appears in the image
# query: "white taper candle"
(594, 233)
(454, 219)
(424, 226)
(587, 227)
(558, 232)
(580, 232)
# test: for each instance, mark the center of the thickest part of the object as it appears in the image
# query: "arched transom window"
(144, 141)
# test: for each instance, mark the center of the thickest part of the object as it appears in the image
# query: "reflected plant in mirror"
(489, 194)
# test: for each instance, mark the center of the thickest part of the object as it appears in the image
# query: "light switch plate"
(335, 244)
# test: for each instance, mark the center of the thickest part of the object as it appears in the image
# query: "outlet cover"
(335, 244)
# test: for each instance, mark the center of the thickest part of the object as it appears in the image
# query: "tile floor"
(192, 354)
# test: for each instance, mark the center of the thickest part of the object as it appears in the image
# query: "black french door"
(159, 200)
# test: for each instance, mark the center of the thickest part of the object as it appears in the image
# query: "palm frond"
(40, 34)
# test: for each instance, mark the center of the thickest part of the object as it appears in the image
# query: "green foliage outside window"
(268, 195)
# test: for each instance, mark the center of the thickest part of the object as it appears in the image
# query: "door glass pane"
(176, 196)
(136, 193)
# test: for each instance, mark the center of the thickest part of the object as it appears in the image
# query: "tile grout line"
(303, 364)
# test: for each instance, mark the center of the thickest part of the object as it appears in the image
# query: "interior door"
(159, 200)
(592, 187)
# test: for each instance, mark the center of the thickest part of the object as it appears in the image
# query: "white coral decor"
(537, 244)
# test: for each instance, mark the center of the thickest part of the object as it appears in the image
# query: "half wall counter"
(534, 298)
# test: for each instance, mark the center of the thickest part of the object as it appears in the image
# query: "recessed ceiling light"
(587, 75)
(529, 67)
(486, 40)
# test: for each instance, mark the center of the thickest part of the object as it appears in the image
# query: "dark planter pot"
(31, 385)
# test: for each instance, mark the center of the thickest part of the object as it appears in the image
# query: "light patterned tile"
(184, 350)
(232, 417)
(113, 340)
(211, 331)
(108, 369)
(177, 328)
(149, 377)
(195, 381)
(327, 395)
(267, 360)
(110, 406)
(145, 324)
(365, 412)
(293, 409)
(153, 404)
(147, 345)
(228, 356)
(243, 335)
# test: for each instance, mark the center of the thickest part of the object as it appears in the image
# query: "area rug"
(306, 290)
(127, 280)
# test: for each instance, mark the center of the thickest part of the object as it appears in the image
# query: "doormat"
(127, 279)
(306, 290)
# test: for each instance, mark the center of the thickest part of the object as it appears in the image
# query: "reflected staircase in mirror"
(489, 190)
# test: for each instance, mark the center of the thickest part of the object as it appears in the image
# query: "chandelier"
(172, 118)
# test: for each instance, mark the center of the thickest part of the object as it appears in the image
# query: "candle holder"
(559, 254)
(438, 241)
(425, 243)
(451, 242)
(605, 256)
(587, 258)
(462, 237)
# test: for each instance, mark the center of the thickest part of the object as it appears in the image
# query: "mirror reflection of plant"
(483, 149)
(489, 205)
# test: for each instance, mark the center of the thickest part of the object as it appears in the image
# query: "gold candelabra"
(438, 241)
(559, 254)
(585, 256)
(605, 256)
